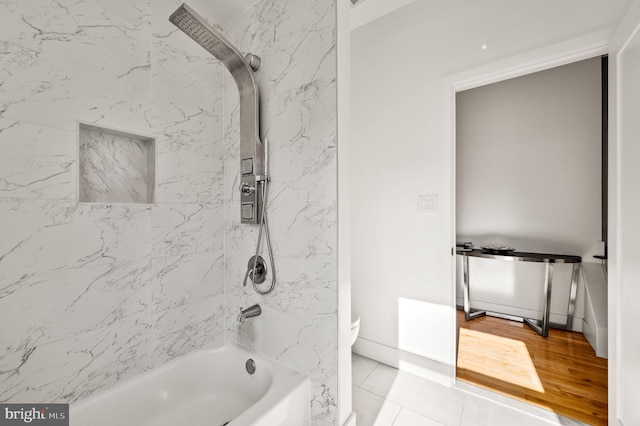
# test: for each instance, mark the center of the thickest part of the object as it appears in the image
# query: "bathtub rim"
(283, 383)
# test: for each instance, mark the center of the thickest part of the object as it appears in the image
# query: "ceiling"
(365, 11)
(496, 23)
(461, 27)
(452, 32)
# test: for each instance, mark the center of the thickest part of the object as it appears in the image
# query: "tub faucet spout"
(251, 311)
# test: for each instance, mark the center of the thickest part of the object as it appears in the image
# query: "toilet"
(355, 327)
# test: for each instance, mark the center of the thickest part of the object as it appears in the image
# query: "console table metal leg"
(548, 281)
(468, 315)
(542, 327)
(572, 296)
(465, 280)
(568, 326)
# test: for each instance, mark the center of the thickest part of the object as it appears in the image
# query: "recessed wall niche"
(115, 166)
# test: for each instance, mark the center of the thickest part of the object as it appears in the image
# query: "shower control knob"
(247, 189)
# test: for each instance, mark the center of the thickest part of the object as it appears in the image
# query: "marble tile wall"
(298, 325)
(91, 294)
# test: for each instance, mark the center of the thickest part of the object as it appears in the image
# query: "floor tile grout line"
(399, 403)
(376, 394)
(465, 404)
(397, 415)
(384, 401)
(371, 372)
(464, 407)
(422, 415)
(371, 392)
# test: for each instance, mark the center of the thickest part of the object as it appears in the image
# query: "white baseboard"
(595, 318)
(411, 363)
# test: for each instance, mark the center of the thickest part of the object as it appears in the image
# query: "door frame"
(621, 256)
(589, 46)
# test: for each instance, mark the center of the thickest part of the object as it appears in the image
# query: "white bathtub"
(209, 387)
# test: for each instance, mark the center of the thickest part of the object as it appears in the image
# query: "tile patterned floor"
(385, 396)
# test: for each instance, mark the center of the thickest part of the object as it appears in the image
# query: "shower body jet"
(252, 150)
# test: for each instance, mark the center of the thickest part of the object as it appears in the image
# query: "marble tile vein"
(98, 61)
(73, 368)
(78, 300)
(179, 280)
(297, 85)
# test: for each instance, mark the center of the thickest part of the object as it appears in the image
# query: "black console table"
(542, 327)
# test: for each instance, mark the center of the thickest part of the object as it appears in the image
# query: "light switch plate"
(428, 203)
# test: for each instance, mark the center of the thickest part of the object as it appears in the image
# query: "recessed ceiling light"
(484, 47)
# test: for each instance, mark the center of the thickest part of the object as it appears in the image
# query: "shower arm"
(252, 150)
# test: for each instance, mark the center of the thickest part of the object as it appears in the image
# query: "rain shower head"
(203, 33)
(252, 150)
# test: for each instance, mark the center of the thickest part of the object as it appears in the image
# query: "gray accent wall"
(528, 162)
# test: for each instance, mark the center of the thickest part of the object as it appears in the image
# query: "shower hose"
(264, 228)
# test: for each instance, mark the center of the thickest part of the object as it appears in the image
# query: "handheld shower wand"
(257, 269)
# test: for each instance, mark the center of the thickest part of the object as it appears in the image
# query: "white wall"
(528, 167)
(624, 341)
(629, 68)
(398, 65)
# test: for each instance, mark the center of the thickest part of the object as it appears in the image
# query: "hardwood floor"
(560, 373)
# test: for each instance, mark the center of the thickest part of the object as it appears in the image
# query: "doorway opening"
(530, 165)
